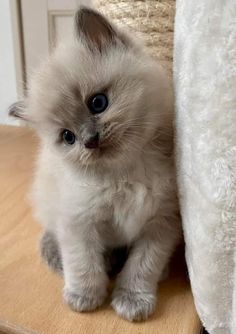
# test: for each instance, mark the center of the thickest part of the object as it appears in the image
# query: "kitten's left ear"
(95, 30)
(17, 110)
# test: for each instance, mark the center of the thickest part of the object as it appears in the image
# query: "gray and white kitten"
(105, 175)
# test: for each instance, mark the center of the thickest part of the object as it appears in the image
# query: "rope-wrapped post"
(152, 20)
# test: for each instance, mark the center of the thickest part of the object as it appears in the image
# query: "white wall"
(8, 87)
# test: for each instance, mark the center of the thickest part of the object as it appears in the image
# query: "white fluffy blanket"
(205, 85)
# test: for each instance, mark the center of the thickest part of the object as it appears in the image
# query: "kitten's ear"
(94, 29)
(17, 110)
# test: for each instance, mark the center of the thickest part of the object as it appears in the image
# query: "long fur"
(122, 194)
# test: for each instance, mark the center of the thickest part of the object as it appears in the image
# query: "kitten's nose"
(92, 141)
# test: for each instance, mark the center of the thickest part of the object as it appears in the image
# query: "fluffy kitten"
(105, 174)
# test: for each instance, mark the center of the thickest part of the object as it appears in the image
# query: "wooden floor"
(30, 295)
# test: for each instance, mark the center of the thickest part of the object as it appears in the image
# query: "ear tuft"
(17, 110)
(94, 29)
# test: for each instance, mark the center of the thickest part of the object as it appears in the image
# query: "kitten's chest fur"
(118, 207)
(132, 206)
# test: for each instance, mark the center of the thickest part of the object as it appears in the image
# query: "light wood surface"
(30, 295)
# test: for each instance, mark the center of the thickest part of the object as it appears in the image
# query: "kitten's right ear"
(17, 110)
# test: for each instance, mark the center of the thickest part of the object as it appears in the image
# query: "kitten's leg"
(84, 269)
(134, 297)
(50, 251)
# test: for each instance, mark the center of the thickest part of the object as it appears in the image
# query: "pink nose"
(92, 142)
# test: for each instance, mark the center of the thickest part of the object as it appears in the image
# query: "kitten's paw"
(132, 305)
(50, 252)
(84, 302)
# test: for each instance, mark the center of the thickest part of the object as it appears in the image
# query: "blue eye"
(68, 137)
(98, 103)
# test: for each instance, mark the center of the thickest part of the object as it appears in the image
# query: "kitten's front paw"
(84, 302)
(132, 305)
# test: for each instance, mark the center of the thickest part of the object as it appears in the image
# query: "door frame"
(18, 46)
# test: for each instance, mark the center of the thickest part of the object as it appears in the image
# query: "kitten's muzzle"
(92, 142)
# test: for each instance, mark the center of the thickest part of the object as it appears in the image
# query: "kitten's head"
(100, 99)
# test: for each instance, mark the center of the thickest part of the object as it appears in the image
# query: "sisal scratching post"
(152, 20)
